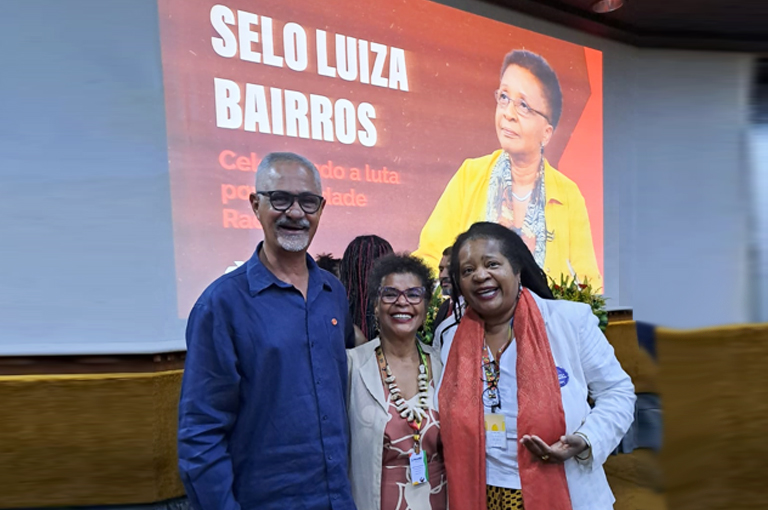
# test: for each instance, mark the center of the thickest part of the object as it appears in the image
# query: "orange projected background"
(245, 78)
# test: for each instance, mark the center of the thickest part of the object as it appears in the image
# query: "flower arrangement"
(567, 288)
(571, 290)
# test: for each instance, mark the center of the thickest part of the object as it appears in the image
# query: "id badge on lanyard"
(495, 431)
(419, 471)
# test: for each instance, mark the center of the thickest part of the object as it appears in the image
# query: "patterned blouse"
(397, 491)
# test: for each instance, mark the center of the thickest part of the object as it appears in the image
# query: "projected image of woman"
(515, 185)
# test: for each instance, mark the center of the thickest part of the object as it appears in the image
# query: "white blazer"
(580, 348)
(368, 417)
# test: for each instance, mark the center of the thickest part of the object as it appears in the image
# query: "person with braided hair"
(354, 270)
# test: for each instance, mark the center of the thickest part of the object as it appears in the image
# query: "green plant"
(428, 331)
(569, 289)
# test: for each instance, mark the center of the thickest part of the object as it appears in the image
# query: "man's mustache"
(284, 222)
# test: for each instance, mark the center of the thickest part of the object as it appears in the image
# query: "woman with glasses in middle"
(396, 458)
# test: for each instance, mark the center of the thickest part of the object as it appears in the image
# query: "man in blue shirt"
(262, 417)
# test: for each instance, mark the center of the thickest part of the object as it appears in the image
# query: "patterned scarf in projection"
(499, 207)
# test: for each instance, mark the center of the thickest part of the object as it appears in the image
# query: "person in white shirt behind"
(450, 322)
(518, 430)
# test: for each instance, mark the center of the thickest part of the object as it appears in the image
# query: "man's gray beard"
(295, 243)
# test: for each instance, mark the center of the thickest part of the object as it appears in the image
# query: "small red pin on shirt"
(334, 321)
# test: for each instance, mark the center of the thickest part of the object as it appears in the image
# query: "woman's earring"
(542, 149)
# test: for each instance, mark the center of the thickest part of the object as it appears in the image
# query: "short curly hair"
(400, 263)
(540, 68)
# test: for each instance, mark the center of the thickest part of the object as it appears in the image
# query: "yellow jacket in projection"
(464, 202)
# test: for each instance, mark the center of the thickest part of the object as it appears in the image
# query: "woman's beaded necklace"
(413, 414)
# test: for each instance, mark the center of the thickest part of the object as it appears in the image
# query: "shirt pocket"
(333, 337)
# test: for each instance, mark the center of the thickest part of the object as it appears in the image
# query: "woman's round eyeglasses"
(521, 105)
(390, 295)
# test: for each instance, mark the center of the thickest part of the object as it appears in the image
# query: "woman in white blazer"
(518, 430)
(396, 459)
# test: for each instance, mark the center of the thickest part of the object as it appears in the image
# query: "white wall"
(86, 244)
(85, 222)
(758, 159)
(692, 207)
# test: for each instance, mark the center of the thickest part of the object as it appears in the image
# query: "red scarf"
(540, 412)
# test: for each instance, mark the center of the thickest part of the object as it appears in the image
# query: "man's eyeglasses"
(283, 200)
(390, 295)
(521, 105)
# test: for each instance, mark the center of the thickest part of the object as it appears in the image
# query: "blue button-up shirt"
(262, 417)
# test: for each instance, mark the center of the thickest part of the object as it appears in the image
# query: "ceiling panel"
(707, 24)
